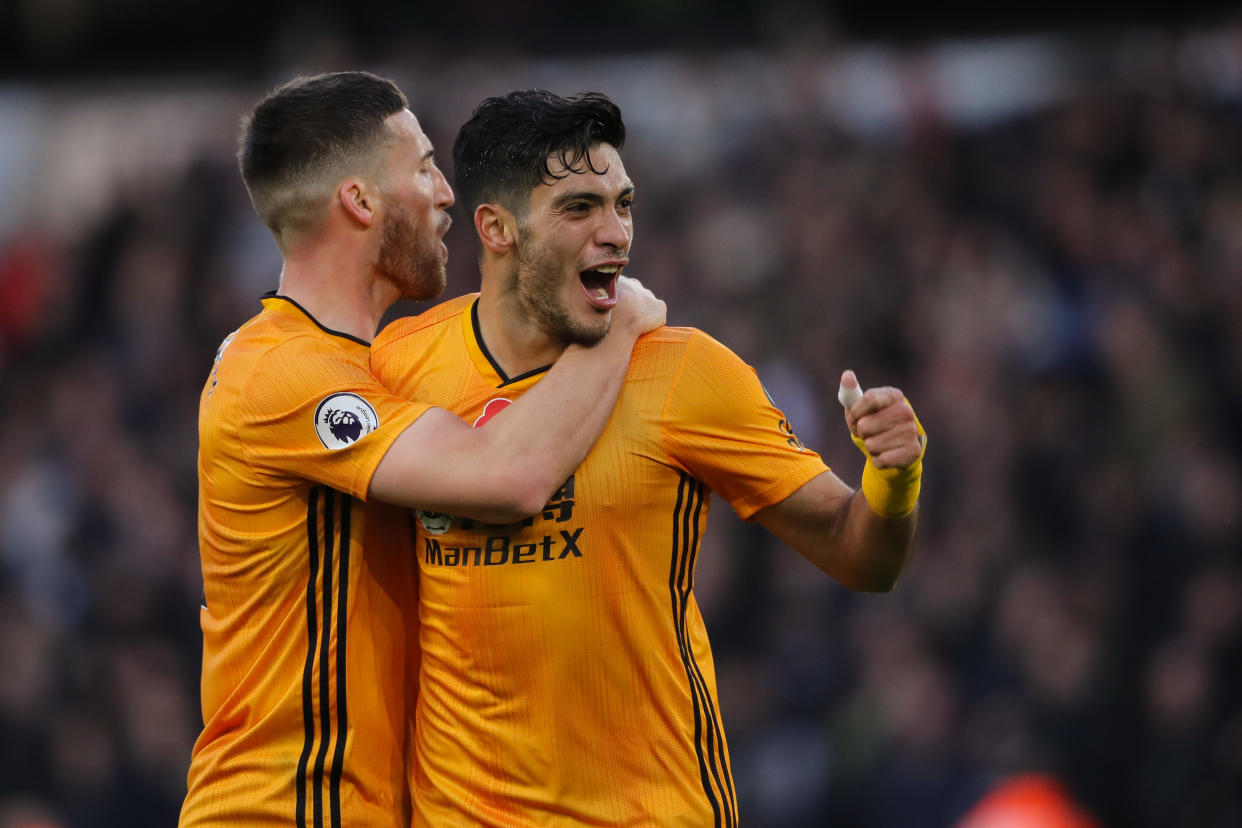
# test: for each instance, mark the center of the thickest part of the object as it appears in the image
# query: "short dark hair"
(307, 134)
(501, 154)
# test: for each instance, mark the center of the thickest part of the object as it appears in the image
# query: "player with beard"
(308, 578)
(566, 675)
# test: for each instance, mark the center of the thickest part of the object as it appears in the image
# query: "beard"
(538, 282)
(410, 260)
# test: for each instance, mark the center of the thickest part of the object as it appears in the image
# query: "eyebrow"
(587, 195)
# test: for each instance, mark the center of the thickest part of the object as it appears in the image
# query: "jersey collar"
(483, 359)
(270, 298)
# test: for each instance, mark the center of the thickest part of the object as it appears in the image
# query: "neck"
(513, 337)
(333, 288)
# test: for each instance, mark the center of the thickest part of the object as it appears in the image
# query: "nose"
(444, 193)
(615, 230)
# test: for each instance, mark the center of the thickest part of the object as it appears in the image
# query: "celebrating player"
(306, 582)
(566, 676)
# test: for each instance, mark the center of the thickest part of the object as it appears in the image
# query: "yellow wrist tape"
(893, 492)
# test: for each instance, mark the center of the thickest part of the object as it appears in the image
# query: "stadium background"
(1029, 219)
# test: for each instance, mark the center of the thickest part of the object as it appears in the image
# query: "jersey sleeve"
(721, 425)
(315, 414)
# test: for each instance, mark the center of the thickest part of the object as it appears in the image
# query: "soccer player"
(307, 581)
(566, 677)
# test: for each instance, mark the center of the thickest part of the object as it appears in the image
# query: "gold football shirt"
(305, 587)
(566, 676)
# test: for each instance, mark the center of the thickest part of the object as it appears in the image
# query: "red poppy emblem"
(492, 408)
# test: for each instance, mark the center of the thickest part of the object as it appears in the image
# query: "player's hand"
(884, 422)
(638, 310)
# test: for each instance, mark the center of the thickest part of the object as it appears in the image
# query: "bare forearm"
(549, 431)
(508, 469)
(834, 527)
(881, 516)
(873, 550)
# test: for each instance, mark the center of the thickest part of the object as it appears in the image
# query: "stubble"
(411, 260)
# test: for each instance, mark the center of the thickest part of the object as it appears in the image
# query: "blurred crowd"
(1059, 294)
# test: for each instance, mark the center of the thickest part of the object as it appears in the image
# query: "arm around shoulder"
(508, 469)
(441, 464)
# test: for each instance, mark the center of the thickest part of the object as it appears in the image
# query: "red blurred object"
(25, 284)
(1027, 801)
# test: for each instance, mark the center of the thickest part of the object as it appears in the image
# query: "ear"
(497, 228)
(356, 199)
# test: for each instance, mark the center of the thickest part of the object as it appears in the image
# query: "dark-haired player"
(566, 675)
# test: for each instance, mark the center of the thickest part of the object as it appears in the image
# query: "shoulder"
(425, 324)
(670, 336)
(246, 349)
(285, 348)
(277, 365)
(282, 335)
(690, 344)
(663, 341)
(680, 360)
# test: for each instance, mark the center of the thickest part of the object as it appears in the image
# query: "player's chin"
(427, 283)
(591, 331)
(594, 335)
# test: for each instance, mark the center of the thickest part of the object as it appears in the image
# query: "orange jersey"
(305, 587)
(566, 676)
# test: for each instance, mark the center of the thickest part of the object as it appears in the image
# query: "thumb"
(850, 392)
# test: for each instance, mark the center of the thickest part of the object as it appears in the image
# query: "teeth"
(608, 268)
(601, 293)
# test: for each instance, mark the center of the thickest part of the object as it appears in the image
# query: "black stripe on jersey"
(312, 633)
(325, 641)
(715, 752)
(505, 379)
(342, 719)
(686, 491)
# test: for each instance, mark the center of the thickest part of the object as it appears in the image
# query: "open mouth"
(600, 285)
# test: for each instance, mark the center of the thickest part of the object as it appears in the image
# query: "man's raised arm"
(862, 539)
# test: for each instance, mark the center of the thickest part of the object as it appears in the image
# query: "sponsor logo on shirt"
(500, 549)
(343, 419)
(499, 546)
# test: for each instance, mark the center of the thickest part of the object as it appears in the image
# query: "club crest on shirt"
(435, 523)
(343, 419)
